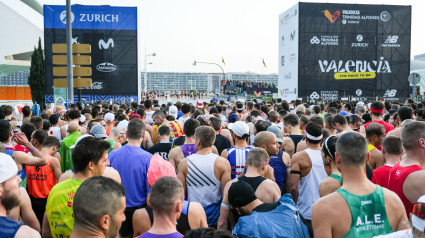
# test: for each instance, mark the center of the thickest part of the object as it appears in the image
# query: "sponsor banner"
(113, 48)
(91, 17)
(252, 90)
(345, 47)
(288, 54)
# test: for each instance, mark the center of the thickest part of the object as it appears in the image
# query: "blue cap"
(344, 113)
(233, 118)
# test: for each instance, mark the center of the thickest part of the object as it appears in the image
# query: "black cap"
(241, 194)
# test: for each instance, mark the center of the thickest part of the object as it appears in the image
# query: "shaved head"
(73, 126)
(263, 138)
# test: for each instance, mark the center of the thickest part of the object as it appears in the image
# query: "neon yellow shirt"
(59, 207)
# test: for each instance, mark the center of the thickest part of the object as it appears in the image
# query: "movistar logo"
(105, 45)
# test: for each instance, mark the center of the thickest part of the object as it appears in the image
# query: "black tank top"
(254, 182)
(183, 221)
(296, 139)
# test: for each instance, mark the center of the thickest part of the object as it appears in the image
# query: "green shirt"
(59, 207)
(368, 214)
(337, 177)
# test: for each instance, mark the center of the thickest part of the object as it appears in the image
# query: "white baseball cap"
(109, 117)
(418, 222)
(8, 167)
(123, 124)
(240, 128)
(82, 118)
(173, 111)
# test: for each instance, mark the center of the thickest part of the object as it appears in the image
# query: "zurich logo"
(106, 67)
(63, 17)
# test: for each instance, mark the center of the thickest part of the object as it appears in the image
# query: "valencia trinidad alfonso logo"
(332, 17)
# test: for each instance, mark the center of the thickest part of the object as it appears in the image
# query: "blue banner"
(91, 17)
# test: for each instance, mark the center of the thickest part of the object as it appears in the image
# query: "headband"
(313, 137)
(376, 110)
(327, 148)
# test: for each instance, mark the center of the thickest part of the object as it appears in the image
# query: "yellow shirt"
(59, 207)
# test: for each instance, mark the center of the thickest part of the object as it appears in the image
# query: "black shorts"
(127, 226)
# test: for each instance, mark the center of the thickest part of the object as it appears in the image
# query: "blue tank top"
(237, 160)
(188, 149)
(22, 174)
(8, 227)
(280, 169)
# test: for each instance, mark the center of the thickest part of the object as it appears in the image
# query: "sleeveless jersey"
(175, 131)
(237, 160)
(398, 175)
(388, 126)
(368, 214)
(56, 132)
(337, 177)
(108, 129)
(308, 187)
(8, 227)
(203, 186)
(59, 207)
(40, 179)
(111, 146)
(279, 168)
(22, 174)
(254, 182)
(182, 225)
(188, 149)
(296, 139)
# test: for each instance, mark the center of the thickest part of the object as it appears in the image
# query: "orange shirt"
(108, 129)
(40, 179)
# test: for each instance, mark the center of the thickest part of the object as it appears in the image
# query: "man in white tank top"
(55, 130)
(307, 171)
(205, 174)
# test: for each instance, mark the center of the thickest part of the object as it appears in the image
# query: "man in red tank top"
(376, 112)
(41, 179)
(407, 176)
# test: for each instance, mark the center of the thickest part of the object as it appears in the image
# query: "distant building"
(199, 81)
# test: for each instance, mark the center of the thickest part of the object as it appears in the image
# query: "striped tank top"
(237, 160)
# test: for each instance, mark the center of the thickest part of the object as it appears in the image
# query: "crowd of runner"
(213, 169)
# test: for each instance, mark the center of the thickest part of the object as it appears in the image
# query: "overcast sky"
(243, 32)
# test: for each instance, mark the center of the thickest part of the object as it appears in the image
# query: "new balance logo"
(391, 40)
(105, 45)
(390, 93)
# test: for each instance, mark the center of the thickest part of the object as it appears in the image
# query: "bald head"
(49, 112)
(73, 126)
(268, 141)
(263, 138)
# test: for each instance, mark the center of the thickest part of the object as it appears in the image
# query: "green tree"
(36, 80)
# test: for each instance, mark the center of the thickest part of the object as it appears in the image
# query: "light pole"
(146, 74)
(197, 62)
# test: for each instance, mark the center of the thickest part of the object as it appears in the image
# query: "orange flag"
(222, 60)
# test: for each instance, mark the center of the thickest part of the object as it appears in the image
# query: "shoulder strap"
(185, 209)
